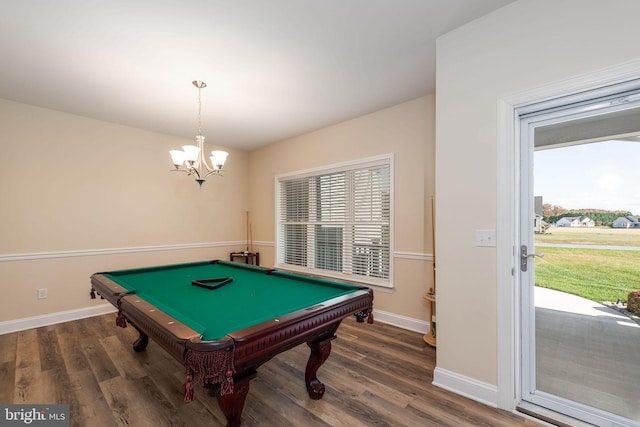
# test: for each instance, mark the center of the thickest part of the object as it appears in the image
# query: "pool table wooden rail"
(171, 334)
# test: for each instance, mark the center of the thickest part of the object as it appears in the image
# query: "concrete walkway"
(588, 353)
(599, 247)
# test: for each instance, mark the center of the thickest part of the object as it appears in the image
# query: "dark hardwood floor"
(377, 375)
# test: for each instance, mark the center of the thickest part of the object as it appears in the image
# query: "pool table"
(223, 320)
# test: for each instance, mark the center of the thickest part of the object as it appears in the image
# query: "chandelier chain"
(199, 111)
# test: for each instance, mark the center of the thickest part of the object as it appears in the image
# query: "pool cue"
(247, 229)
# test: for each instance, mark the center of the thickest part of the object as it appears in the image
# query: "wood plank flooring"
(376, 375)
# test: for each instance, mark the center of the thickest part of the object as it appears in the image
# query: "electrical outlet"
(42, 293)
(485, 237)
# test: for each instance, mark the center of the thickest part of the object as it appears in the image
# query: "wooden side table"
(249, 257)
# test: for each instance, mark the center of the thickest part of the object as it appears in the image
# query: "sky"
(601, 175)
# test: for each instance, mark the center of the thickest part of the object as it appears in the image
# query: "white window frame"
(386, 159)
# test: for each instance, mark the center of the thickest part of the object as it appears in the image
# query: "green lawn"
(598, 275)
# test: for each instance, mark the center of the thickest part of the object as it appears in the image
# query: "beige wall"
(518, 48)
(73, 184)
(407, 131)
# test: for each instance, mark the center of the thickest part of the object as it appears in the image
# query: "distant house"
(630, 221)
(568, 221)
(575, 221)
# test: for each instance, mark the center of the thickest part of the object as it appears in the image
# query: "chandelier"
(190, 159)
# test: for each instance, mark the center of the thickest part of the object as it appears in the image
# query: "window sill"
(378, 287)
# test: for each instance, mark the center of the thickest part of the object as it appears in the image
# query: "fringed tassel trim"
(188, 389)
(120, 319)
(370, 318)
(209, 368)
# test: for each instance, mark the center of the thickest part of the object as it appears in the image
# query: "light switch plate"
(486, 238)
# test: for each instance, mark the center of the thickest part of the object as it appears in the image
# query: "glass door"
(579, 355)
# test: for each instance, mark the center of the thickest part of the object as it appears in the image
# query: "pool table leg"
(141, 343)
(320, 351)
(232, 404)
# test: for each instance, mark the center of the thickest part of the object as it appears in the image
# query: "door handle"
(524, 257)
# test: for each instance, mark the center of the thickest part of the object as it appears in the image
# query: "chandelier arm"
(213, 172)
(204, 162)
(193, 171)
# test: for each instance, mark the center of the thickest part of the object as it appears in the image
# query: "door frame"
(510, 109)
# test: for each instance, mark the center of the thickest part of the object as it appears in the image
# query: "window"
(336, 221)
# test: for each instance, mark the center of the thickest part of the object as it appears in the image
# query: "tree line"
(552, 213)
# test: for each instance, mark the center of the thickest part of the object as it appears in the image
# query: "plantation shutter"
(337, 222)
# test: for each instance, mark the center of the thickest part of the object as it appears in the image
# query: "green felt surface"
(250, 298)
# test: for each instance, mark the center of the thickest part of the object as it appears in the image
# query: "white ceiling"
(274, 68)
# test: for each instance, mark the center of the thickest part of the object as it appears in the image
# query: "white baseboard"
(465, 386)
(53, 318)
(400, 321)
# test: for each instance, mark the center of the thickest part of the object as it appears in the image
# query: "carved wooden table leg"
(232, 404)
(320, 351)
(141, 343)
